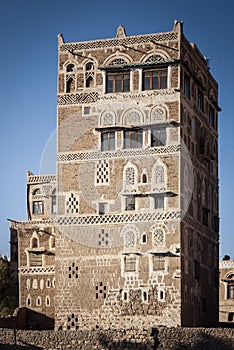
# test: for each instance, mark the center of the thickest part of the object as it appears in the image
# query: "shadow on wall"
(25, 318)
(108, 343)
(19, 347)
(199, 341)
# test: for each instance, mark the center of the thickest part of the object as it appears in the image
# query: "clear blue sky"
(28, 62)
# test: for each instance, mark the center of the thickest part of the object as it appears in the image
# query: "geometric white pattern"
(125, 153)
(158, 237)
(72, 205)
(130, 234)
(118, 218)
(102, 172)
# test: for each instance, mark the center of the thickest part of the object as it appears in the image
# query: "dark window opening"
(70, 68)
(102, 208)
(212, 117)
(125, 296)
(89, 66)
(144, 178)
(186, 85)
(89, 82)
(34, 243)
(197, 270)
(145, 296)
(70, 85)
(200, 100)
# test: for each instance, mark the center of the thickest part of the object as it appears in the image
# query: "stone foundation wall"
(161, 338)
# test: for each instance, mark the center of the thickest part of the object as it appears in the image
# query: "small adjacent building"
(226, 290)
(33, 247)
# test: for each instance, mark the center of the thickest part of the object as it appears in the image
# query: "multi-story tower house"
(33, 250)
(137, 183)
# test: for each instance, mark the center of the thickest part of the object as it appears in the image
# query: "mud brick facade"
(136, 227)
(137, 183)
(226, 291)
(33, 247)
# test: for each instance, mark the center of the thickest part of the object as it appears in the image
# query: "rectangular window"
(200, 100)
(186, 85)
(87, 110)
(132, 139)
(130, 203)
(158, 137)
(102, 208)
(196, 270)
(230, 290)
(130, 264)
(155, 79)
(159, 202)
(205, 216)
(37, 207)
(54, 203)
(212, 117)
(108, 141)
(158, 263)
(118, 82)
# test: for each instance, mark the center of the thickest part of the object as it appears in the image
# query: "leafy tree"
(6, 303)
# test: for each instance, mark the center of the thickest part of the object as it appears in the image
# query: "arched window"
(70, 68)
(42, 284)
(35, 242)
(129, 239)
(130, 234)
(158, 237)
(28, 301)
(159, 177)
(36, 192)
(89, 66)
(28, 283)
(47, 300)
(130, 178)
(144, 178)
(89, 75)
(35, 284)
(38, 302)
(52, 242)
